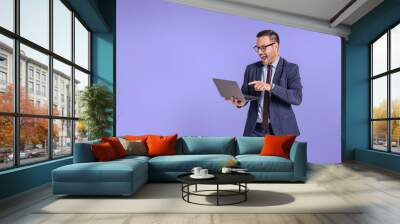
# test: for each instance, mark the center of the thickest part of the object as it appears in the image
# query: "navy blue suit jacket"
(287, 91)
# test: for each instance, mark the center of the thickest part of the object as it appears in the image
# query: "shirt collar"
(275, 62)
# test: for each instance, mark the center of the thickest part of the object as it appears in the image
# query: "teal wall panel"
(103, 62)
(357, 99)
(24, 178)
(379, 159)
(102, 58)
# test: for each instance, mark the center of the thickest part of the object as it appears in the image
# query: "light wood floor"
(377, 188)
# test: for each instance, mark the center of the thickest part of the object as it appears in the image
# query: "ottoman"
(118, 177)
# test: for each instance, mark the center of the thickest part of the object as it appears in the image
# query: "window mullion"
(16, 84)
(73, 82)
(371, 142)
(50, 79)
(389, 106)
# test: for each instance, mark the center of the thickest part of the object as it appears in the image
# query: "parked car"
(22, 155)
(10, 157)
(57, 152)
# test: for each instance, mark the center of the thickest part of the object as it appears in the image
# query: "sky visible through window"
(32, 15)
(6, 14)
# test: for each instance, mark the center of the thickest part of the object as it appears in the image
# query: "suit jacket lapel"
(278, 71)
(259, 71)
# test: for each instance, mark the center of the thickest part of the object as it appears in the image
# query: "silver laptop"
(229, 88)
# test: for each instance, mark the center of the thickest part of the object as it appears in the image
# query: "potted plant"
(97, 106)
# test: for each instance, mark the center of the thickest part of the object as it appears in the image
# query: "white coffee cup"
(196, 171)
(203, 172)
(226, 170)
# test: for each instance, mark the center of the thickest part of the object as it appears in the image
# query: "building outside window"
(30, 87)
(3, 78)
(30, 72)
(43, 90)
(3, 61)
(37, 74)
(3, 72)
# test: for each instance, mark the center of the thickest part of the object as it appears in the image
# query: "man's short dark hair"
(273, 36)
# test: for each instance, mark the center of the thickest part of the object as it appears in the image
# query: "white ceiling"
(321, 9)
(316, 15)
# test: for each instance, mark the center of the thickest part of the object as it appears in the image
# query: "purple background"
(168, 53)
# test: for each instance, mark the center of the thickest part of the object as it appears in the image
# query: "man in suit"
(278, 85)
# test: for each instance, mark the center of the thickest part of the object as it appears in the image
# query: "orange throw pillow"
(161, 145)
(103, 152)
(136, 137)
(116, 145)
(277, 145)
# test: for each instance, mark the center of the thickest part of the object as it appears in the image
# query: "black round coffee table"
(238, 179)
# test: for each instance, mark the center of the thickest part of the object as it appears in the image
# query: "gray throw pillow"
(137, 148)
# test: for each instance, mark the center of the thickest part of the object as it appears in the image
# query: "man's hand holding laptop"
(230, 90)
(237, 102)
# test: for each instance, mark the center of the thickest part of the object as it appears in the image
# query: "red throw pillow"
(116, 145)
(161, 145)
(277, 145)
(103, 152)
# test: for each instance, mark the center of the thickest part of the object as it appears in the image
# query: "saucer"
(208, 176)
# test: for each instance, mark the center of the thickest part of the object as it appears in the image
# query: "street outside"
(32, 156)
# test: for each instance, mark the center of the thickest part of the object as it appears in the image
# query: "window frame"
(3, 77)
(388, 74)
(4, 59)
(3, 70)
(16, 114)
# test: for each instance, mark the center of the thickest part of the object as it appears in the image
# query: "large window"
(44, 64)
(385, 91)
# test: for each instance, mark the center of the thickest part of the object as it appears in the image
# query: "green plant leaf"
(97, 105)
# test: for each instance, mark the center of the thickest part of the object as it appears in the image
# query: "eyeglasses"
(262, 48)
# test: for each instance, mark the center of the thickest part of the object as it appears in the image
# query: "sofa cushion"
(111, 171)
(136, 137)
(185, 163)
(116, 145)
(249, 145)
(83, 152)
(103, 152)
(135, 147)
(207, 145)
(133, 158)
(257, 163)
(161, 145)
(277, 145)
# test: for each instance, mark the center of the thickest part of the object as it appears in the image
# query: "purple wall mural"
(167, 55)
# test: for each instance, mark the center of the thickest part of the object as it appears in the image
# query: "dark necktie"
(266, 99)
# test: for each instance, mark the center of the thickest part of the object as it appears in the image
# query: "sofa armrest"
(83, 152)
(298, 155)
